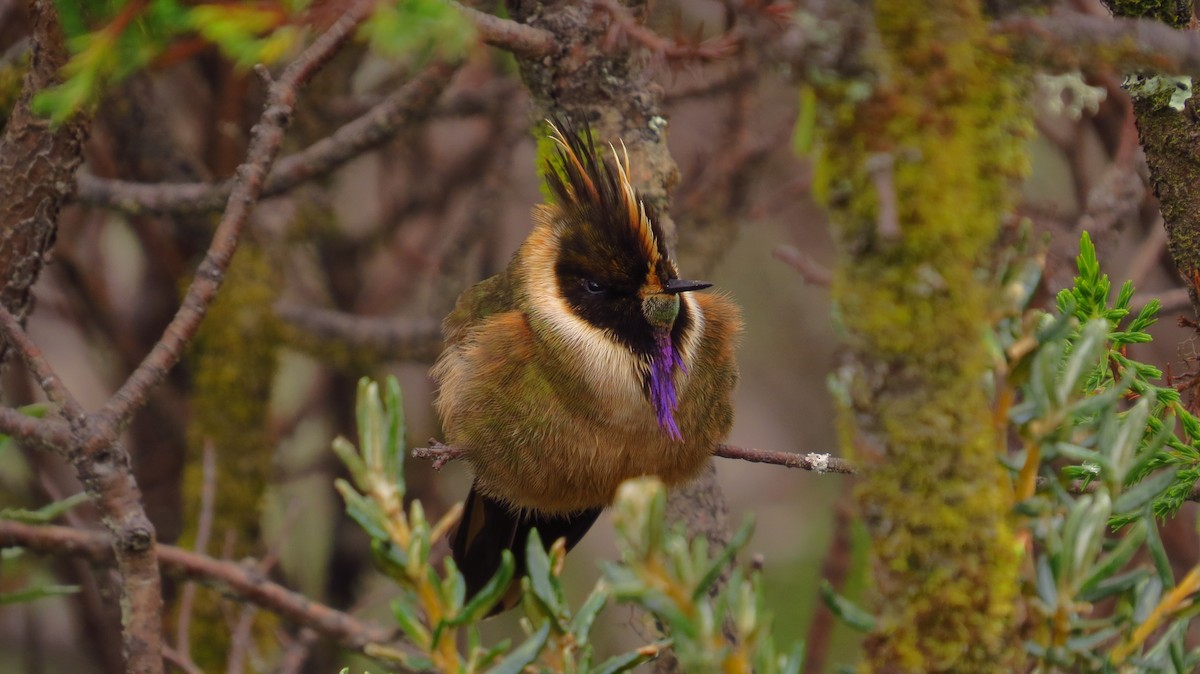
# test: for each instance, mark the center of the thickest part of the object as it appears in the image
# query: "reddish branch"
(240, 580)
(373, 128)
(817, 463)
(442, 454)
(508, 34)
(625, 24)
(388, 337)
(265, 140)
(1073, 41)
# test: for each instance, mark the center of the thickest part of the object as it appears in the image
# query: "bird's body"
(584, 364)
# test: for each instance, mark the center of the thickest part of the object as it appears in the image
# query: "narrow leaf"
(524, 655)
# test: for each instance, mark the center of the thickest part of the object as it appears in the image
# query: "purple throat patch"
(663, 366)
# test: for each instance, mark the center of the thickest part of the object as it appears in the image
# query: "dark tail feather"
(488, 528)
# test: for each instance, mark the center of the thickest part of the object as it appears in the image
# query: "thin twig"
(46, 434)
(817, 463)
(370, 130)
(240, 642)
(438, 453)
(809, 269)
(237, 579)
(442, 454)
(625, 23)
(208, 498)
(508, 34)
(31, 355)
(1175, 299)
(296, 652)
(388, 336)
(181, 661)
(264, 144)
(1149, 253)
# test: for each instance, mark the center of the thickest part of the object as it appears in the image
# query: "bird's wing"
(489, 296)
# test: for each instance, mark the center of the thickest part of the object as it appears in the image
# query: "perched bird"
(587, 362)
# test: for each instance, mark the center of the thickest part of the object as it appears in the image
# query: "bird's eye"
(594, 287)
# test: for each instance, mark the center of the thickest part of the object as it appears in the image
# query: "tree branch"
(1075, 41)
(442, 454)
(234, 578)
(371, 129)
(41, 433)
(389, 337)
(507, 34)
(267, 136)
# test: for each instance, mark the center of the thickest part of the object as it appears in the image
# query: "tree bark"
(37, 169)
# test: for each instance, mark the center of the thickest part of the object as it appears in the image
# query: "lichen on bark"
(233, 361)
(918, 175)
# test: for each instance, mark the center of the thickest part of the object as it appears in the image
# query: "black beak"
(678, 286)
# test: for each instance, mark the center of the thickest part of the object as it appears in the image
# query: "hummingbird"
(587, 362)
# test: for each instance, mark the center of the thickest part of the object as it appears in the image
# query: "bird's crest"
(583, 184)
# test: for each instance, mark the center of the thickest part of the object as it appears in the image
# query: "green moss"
(1175, 13)
(940, 138)
(233, 364)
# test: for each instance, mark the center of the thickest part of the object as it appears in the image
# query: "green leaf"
(804, 131)
(846, 610)
(36, 593)
(478, 606)
(362, 510)
(350, 458)
(794, 660)
(489, 656)
(47, 513)
(736, 543)
(623, 662)
(395, 446)
(1047, 584)
(541, 579)
(524, 655)
(581, 624)
(408, 618)
(1147, 596)
(1145, 491)
(1118, 558)
(1158, 553)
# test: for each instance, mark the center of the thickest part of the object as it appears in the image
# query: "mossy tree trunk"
(1169, 128)
(918, 174)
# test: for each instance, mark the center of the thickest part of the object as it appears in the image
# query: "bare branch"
(626, 23)
(242, 581)
(508, 34)
(809, 269)
(264, 144)
(389, 337)
(1074, 41)
(442, 454)
(817, 463)
(44, 434)
(32, 356)
(368, 131)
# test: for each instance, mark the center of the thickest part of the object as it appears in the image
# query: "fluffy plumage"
(579, 367)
